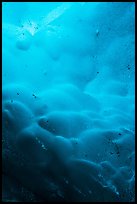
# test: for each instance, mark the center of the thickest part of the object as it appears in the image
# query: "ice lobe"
(67, 124)
(24, 41)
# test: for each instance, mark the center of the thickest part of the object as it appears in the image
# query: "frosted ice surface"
(68, 101)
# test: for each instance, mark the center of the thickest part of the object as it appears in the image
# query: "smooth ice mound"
(68, 102)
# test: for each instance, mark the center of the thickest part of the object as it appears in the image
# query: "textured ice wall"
(68, 101)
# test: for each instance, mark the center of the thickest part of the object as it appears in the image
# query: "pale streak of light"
(54, 14)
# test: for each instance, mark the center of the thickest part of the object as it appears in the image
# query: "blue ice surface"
(68, 101)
